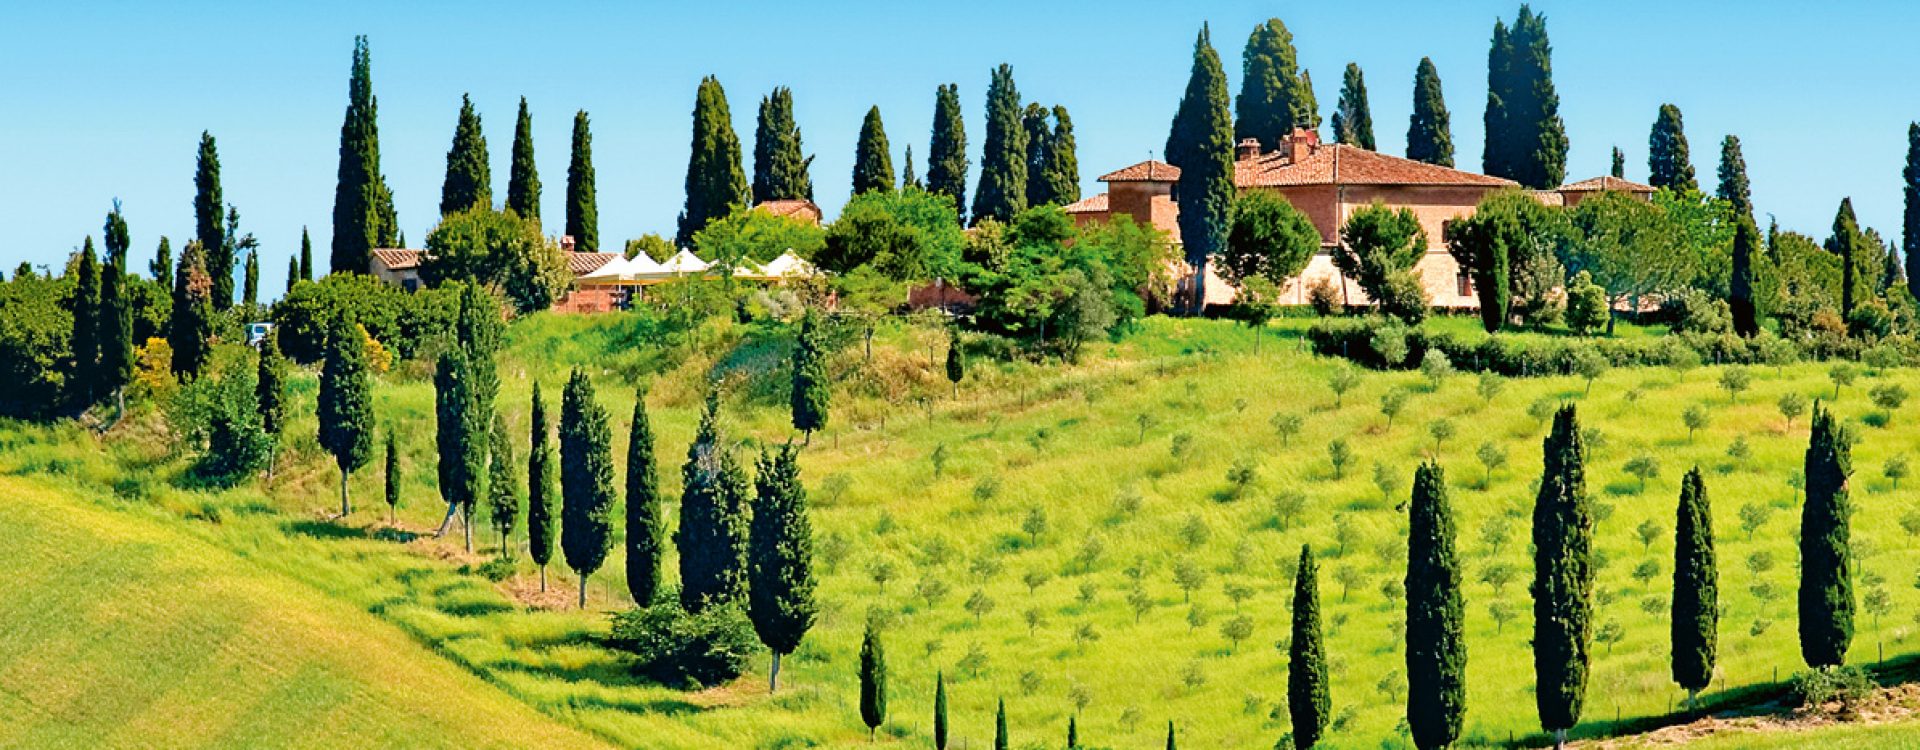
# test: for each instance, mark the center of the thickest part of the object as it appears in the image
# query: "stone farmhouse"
(1328, 182)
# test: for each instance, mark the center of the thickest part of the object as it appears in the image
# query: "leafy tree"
(780, 557)
(1352, 119)
(207, 214)
(1274, 97)
(363, 215)
(872, 157)
(873, 679)
(1308, 704)
(714, 179)
(1526, 138)
(747, 236)
(191, 324)
(646, 522)
(1734, 187)
(1696, 589)
(586, 479)
(1826, 600)
(812, 384)
(583, 206)
(1003, 160)
(498, 249)
(541, 481)
(947, 158)
(904, 235)
(1200, 143)
(1587, 308)
(345, 408)
(503, 497)
(713, 532)
(460, 436)
(1497, 245)
(1631, 248)
(523, 179)
(1378, 249)
(1267, 238)
(1563, 578)
(1669, 166)
(1436, 645)
(779, 163)
(1430, 128)
(469, 182)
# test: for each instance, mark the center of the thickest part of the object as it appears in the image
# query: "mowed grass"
(1092, 448)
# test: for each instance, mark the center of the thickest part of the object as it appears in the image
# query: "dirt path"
(1887, 705)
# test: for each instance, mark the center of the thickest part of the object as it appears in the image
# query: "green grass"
(1066, 440)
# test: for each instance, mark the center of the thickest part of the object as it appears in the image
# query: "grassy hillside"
(1059, 491)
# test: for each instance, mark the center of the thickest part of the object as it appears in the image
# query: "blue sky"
(106, 100)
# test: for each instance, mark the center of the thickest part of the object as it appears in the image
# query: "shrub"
(1586, 305)
(1322, 298)
(1816, 688)
(686, 650)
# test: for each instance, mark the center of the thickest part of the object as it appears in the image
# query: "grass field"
(1056, 490)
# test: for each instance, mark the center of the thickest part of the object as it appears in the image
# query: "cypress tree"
(1696, 589)
(306, 257)
(583, 212)
(779, 164)
(1740, 298)
(780, 557)
(477, 328)
(1541, 135)
(1430, 129)
(947, 156)
(1910, 219)
(1619, 170)
(872, 159)
(1734, 187)
(940, 713)
(956, 361)
(1003, 162)
(1308, 704)
(1826, 600)
(541, 488)
(523, 179)
(1073, 732)
(812, 394)
(363, 215)
(346, 402)
(1563, 578)
(873, 679)
(1170, 742)
(116, 312)
(1033, 120)
(586, 479)
(1352, 120)
(908, 178)
(1307, 114)
(1497, 157)
(392, 476)
(1857, 270)
(646, 527)
(293, 272)
(270, 387)
(503, 496)
(1436, 645)
(714, 180)
(162, 264)
(469, 182)
(1201, 145)
(207, 216)
(250, 286)
(460, 432)
(1669, 166)
(1270, 103)
(84, 339)
(1002, 740)
(712, 537)
(1062, 168)
(191, 323)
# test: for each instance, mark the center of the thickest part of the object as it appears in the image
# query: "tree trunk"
(773, 675)
(869, 337)
(466, 528)
(346, 505)
(1693, 699)
(583, 591)
(1559, 739)
(543, 579)
(442, 531)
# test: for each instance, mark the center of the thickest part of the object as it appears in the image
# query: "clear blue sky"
(106, 100)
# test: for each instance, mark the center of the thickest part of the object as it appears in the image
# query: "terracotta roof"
(1096, 204)
(581, 264)
(1604, 182)
(1333, 163)
(1150, 170)
(396, 259)
(798, 208)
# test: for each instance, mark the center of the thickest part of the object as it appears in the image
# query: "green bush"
(1815, 688)
(404, 322)
(685, 650)
(1381, 344)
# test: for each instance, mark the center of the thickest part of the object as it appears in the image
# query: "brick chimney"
(566, 243)
(1300, 143)
(1248, 148)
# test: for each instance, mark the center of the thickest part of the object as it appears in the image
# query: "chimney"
(1248, 148)
(1300, 143)
(566, 243)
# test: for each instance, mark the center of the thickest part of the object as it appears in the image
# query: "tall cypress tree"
(1734, 187)
(469, 182)
(250, 281)
(908, 177)
(583, 211)
(1619, 170)
(1541, 133)
(1308, 704)
(1033, 120)
(1170, 741)
(812, 394)
(947, 155)
(84, 339)
(1002, 740)
(1696, 589)
(460, 433)
(1910, 219)
(1201, 145)
(1270, 103)
(116, 312)
(503, 496)
(586, 480)
(270, 392)
(780, 557)
(714, 180)
(191, 323)
(1858, 269)
(779, 163)
(1562, 578)
(1746, 254)
(363, 215)
(712, 537)
(1062, 167)
(523, 179)
(1003, 162)
(1307, 113)
(346, 402)
(392, 477)
(872, 157)
(940, 711)
(306, 256)
(207, 216)
(1826, 545)
(873, 679)
(1669, 165)
(161, 267)
(1430, 129)
(1436, 645)
(477, 328)
(541, 487)
(1497, 158)
(1352, 119)
(1073, 732)
(646, 526)
(293, 272)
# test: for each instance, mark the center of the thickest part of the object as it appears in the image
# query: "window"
(1464, 282)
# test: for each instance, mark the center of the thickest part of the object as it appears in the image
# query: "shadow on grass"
(324, 529)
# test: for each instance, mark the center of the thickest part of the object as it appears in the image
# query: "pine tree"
(812, 394)
(1201, 145)
(1308, 704)
(712, 538)
(872, 157)
(1826, 601)
(363, 215)
(1696, 589)
(1352, 119)
(1497, 158)
(523, 179)
(270, 388)
(1436, 645)
(583, 212)
(469, 182)
(84, 339)
(503, 496)
(1910, 219)
(191, 323)
(1003, 162)
(714, 180)
(1669, 165)
(1741, 298)
(646, 526)
(306, 257)
(1430, 129)
(541, 488)
(161, 267)
(250, 286)
(460, 431)
(1619, 170)
(392, 476)
(1001, 738)
(780, 558)
(947, 155)
(1271, 102)
(586, 480)
(940, 712)
(873, 679)
(207, 221)
(1563, 578)
(1734, 187)
(779, 163)
(909, 180)
(116, 312)
(346, 402)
